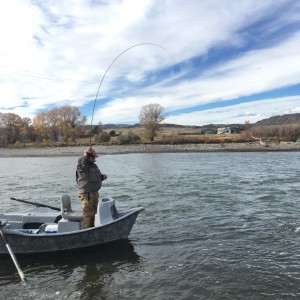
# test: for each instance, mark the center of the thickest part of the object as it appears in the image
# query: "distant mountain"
(221, 125)
(112, 126)
(179, 126)
(276, 120)
(280, 120)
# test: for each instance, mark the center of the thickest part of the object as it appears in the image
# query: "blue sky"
(204, 61)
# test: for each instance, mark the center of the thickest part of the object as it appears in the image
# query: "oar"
(35, 203)
(22, 276)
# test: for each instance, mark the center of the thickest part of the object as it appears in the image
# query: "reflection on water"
(91, 270)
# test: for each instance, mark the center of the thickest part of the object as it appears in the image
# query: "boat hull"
(22, 243)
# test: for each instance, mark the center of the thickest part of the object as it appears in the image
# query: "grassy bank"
(162, 138)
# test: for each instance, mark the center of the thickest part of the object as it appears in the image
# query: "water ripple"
(215, 226)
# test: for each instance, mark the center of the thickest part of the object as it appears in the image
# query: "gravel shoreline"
(147, 148)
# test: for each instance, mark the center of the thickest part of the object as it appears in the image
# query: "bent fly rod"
(137, 45)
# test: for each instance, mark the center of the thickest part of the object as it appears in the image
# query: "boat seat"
(3, 222)
(66, 210)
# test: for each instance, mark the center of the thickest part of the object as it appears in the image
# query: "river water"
(215, 226)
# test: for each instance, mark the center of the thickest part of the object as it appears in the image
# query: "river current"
(215, 226)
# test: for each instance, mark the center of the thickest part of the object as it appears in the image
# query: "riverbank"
(148, 148)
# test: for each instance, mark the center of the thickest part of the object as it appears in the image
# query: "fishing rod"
(129, 48)
(36, 204)
(12, 255)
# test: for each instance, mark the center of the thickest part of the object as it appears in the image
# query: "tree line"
(57, 124)
(60, 125)
(67, 123)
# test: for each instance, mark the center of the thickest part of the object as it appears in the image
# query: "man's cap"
(91, 151)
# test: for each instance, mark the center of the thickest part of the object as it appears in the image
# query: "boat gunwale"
(17, 232)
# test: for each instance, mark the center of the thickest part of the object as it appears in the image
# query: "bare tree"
(11, 125)
(41, 125)
(246, 133)
(27, 130)
(72, 117)
(54, 122)
(59, 123)
(151, 116)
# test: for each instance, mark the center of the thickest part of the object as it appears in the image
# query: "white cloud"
(58, 51)
(240, 113)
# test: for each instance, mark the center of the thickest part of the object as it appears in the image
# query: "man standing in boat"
(89, 180)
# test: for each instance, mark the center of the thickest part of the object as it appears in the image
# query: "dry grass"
(204, 139)
(183, 135)
(174, 135)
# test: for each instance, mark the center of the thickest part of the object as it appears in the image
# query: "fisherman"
(89, 180)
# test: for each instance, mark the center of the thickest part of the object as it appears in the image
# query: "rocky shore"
(148, 148)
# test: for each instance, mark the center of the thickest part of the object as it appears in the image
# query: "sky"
(204, 61)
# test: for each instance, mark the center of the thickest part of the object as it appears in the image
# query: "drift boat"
(44, 229)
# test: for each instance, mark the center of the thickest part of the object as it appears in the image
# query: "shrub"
(288, 132)
(102, 137)
(112, 133)
(129, 138)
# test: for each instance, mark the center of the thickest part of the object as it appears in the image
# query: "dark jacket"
(88, 176)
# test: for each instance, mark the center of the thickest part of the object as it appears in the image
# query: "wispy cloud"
(241, 113)
(225, 60)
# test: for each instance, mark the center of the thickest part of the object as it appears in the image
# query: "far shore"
(147, 148)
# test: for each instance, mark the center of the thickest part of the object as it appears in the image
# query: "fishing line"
(137, 45)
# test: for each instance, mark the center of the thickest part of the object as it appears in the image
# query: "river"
(215, 226)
